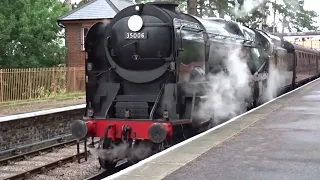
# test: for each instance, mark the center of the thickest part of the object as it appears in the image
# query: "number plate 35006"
(134, 35)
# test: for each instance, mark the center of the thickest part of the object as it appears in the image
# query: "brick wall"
(73, 36)
(75, 51)
(17, 133)
(75, 57)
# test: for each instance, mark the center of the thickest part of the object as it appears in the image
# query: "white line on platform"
(194, 137)
(40, 113)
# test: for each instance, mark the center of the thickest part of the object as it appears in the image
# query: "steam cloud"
(140, 151)
(247, 7)
(227, 91)
(278, 77)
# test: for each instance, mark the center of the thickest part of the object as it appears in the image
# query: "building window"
(84, 32)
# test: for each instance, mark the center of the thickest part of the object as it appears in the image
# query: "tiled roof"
(121, 4)
(97, 9)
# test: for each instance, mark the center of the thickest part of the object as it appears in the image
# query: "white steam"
(121, 151)
(230, 93)
(247, 7)
(279, 77)
(227, 90)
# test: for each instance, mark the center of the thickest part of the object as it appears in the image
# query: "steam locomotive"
(147, 74)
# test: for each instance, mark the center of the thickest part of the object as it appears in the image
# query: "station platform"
(278, 140)
(39, 105)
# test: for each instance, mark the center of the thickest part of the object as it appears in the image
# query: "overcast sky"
(313, 5)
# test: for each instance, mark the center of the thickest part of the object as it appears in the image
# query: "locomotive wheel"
(106, 163)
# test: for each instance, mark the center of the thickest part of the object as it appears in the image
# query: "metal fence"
(38, 83)
(315, 44)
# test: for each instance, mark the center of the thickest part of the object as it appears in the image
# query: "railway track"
(103, 173)
(29, 164)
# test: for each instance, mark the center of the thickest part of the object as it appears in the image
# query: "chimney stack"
(68, 2)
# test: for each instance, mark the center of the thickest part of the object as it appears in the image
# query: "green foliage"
(29, 34)
(295, 16)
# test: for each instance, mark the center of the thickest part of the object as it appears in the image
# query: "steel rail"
(103, 174)
(42, 169)
(9, 160)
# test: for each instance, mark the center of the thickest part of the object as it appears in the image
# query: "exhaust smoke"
(279, 76)
(228, 90)
(229, 93)
(248, 6)
(121, 151)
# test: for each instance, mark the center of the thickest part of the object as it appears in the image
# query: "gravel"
(38, 161)
(72, 171)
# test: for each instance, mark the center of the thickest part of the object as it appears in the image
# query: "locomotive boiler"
(146, 74)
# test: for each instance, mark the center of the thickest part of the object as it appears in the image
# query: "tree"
(192, 7)
(213, 8)
(29, 34)
(295, 17)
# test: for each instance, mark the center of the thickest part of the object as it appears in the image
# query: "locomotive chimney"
(165, 4)
(69, 4)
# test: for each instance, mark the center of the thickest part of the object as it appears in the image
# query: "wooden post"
(74, 79)
(1, 86)
(29, 83)
(53, 81)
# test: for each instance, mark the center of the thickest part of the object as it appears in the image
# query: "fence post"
(74, 79)
(53, 81)
(1, 86)
(29, 83)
